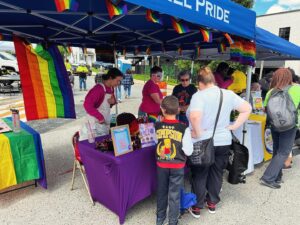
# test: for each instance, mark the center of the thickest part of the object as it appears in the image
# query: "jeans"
(282, 147)
(207, 181)
(119, 92)
(170, 181)
(127, 90)
(82, 83)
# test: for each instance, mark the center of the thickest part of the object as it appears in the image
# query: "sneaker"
(211, 207)
(270, 184)
(279, 181)
(195, 212)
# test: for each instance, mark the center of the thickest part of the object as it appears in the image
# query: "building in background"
(285, 25)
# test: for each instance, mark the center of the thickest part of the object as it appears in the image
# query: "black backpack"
(281, 110)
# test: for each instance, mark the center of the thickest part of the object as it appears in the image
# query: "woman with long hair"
(282, 140)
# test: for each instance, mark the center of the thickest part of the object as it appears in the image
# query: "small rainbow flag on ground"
(180, 26)
(207, 35)
(45, 83)
(229, 39)
(221, 47)
(197, 52)
(153, 17)
(148, 51)
(62, 5)
(115, 10)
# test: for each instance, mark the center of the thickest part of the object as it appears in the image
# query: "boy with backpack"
(282, 106)
(173, 144)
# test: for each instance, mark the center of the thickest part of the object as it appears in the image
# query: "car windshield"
(7, 56)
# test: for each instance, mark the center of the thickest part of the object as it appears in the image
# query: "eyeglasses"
(183, 80)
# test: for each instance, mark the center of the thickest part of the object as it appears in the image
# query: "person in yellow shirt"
(82, 70)
(69, 71)
(239, 83)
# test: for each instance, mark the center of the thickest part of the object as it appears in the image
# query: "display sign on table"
(4, 127)
(147, 134)
(121, 140)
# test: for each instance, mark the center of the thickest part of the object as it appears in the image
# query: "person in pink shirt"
(152, 96)
(223, 79)
(98, 102)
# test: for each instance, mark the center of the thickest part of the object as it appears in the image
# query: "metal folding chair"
(78, 164)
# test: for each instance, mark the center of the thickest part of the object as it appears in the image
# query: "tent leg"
(248, 92)
(116, 65)
(261, 69)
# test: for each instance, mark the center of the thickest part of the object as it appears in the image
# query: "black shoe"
(279, 181)
(270, 184)
(195, 212)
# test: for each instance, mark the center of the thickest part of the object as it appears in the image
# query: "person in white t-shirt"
(202, 112)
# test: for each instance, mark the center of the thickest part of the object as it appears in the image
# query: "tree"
(245, 3)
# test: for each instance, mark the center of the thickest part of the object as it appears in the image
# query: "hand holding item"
(111, 100)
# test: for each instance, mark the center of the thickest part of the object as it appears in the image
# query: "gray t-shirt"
(207, 102)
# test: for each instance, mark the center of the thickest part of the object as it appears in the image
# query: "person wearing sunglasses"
(152, 96)
(184, 92)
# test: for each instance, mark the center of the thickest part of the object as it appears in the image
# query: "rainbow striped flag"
(244, 52)
(207, 35)
(197, 52)
(46, 87)
(153, 17)
(222, 47)
(115, 10)
(62, 5)
(21, 157)
(180, 26)
(229, 39)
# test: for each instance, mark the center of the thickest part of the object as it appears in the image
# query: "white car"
(8, 61)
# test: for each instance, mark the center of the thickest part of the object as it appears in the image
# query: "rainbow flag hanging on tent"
(148, 51)
(222, 47)
(197, 52)
(153, 17)
(244, 52)
(116, 10)
(46, 87)
(207, 35)
(180, 26)
(229, 39)
(63, 5)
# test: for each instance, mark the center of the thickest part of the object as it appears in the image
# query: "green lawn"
(144, 77)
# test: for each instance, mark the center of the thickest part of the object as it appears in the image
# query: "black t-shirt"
(184, 94)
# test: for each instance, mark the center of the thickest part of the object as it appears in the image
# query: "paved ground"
(244, 204)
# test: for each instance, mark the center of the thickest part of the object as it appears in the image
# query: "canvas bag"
(281, 110)
(204, 151)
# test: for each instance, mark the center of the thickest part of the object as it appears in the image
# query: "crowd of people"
(189, 114)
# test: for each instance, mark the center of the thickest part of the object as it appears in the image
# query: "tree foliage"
(245, 3)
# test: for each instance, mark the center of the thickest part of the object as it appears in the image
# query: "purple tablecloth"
(119, 182)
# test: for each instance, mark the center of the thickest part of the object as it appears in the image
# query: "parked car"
(8, 61)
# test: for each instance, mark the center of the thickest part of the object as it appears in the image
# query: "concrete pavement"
(243, 204)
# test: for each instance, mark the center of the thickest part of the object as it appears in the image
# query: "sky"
(274, 6)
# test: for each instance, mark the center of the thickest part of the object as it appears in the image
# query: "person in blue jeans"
(173, 144)
(127, 82)
(82, 70)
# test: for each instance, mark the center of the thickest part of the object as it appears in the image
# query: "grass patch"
(144, 77)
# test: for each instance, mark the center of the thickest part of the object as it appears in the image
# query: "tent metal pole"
(134, 39)
(262, 63)
(183, 36)
(192, 68)
(116, 65)
(22, 33)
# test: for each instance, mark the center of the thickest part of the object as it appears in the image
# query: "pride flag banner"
(244, 52)
(207, 35)
(197, 52)
(115, 10)
(46, 88)
(229, 39)
(153, 17)
(180, 26)
(221, 47)
(22, 157)
(63, 5)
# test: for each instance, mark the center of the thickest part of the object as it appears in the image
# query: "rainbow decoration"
(148, 51)
(115, 10)
(152, 118)
(180, 26)
(153, 17)
(21, 157)
(222, 47)
(63, 5)
(46, 87)
(229, 39)
(197, 52)
(207, 35)
(244, 52)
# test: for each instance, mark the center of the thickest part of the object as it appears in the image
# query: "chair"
(78, 164)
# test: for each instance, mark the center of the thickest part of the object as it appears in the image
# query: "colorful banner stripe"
(62, 5)
(222, 48)
(153, 17)
(46, 89)
(115, 10)
(244, 52)
(180, 26)
(229, 39)
(197, 52)
(207, 35)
